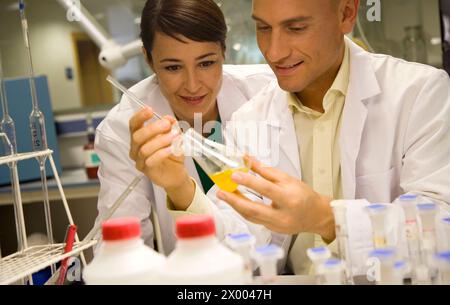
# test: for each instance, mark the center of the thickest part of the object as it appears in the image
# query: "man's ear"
(148, 59)
(349, 12)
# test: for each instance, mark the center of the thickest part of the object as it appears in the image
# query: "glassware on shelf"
(414, 45)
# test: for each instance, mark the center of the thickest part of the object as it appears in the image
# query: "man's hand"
(295, 207)
(150, 148)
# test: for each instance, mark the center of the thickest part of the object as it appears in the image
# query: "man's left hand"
(295, 207)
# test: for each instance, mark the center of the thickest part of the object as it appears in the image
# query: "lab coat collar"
(280, 117)
(363, 86)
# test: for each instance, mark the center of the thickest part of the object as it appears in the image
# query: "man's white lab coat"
(394, 138)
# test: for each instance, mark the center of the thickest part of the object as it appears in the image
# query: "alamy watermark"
(260, 139)
(374, 10)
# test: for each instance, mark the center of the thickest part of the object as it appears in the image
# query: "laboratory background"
(74, 96)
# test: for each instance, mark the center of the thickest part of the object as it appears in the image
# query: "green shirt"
(216, 136)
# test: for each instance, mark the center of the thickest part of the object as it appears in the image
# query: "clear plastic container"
(243, 244)
(199, 258)
(266, 258)
(408, 203)
(122, 258)
(378, 215)
(333, 272)
(318, 257)
(442, 261)
(340, 219)
(387, 266)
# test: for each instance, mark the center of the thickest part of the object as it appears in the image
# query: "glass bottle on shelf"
(414, 45)
(91, 159)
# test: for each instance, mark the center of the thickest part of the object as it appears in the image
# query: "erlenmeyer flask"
(217, 160)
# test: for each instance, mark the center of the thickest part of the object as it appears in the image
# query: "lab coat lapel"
(280, 118)
(363, 85)
(229, 99)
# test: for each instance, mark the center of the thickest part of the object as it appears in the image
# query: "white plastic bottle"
(123, 259)
(199, 258)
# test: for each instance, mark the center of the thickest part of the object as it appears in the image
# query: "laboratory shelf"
(19, 265)
(16, 267)
(24, 156)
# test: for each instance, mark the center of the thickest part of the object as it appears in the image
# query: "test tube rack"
(24, 263)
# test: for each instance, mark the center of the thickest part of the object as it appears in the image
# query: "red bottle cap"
(195, 226)
(121, 228)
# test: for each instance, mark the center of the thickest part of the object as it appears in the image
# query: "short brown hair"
(197, 20)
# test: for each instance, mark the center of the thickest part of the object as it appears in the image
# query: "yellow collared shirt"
(318, 145)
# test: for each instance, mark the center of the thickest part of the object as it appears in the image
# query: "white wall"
(51, 44)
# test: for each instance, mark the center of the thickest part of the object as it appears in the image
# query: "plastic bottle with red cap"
(199, 258)
(122, 258)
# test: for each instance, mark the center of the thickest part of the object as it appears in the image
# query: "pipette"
(130, 94)
(7, 127)
(37, 125)
(217, 160)
(111, 210)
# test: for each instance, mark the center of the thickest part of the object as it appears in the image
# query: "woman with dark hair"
(184, 44)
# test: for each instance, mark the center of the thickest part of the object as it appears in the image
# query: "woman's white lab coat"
(117, 170)
(394, 138)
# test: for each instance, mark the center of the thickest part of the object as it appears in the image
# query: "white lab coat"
(394, 137)
(117, 170)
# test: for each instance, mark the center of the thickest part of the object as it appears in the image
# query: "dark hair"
(197, 20)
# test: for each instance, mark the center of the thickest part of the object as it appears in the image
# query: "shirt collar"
(339, 86)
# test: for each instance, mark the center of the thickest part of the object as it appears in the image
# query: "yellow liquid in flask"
(223, 179)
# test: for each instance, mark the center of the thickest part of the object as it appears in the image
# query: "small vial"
(318, 257)
(243, 244)
(427, 214)
(446, 241)
(400, 269)
(340, 219)
(408, 203)
(378, 214)
(386, 261)
(267, 257)
(442, 261)
(333, 272)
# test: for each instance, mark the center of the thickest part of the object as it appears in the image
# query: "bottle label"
(91, 159)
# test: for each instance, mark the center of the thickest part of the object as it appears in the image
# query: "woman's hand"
(150, 148)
